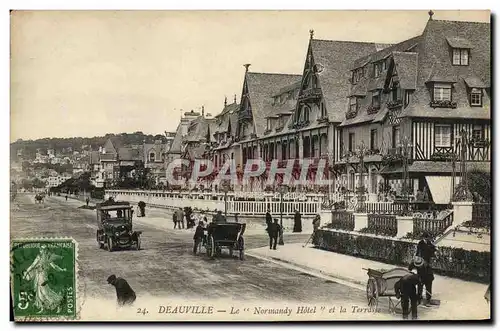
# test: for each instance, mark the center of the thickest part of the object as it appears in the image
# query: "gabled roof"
(199, 128)
(222, 120)
(175, 147)
(130, 153)
(435, 64)
(336, 59)
(378, 55)
(406, 68)
(261, 88)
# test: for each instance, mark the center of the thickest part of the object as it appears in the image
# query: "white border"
(189, 4)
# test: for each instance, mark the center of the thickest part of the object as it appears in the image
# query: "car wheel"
(138, 243)
(110, 244)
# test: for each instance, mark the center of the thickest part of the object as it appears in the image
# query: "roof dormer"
(460, 50)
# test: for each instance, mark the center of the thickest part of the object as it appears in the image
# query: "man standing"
(425, 250)
(199, 235)
(273, 230)
(174, 217)
(124, 293)
(180, 218)
(142, 208)
(316, 223)
(269, 218)
(87, 201)
(297, 222)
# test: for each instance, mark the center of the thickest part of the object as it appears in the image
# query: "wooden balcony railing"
(433, 226)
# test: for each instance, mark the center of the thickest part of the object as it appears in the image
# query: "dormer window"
(460, 56)
(396, 92)
(269, 124)
(305, 114)
(353, 104)
(442, 92)
(376, 99)
(476, 97)
(377, 69)
(357, 74)
(323, 110)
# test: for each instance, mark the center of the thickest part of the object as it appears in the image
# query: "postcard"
(250, 166)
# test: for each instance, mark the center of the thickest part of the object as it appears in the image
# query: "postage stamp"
(44, 279)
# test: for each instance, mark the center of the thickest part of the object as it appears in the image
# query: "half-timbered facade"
(426, 100)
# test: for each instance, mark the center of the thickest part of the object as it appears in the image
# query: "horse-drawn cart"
(227, 235)
(381, 284)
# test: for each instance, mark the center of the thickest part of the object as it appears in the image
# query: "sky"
(88, 73)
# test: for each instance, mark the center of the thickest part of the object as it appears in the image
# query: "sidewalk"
(161, 219)
(459, 299)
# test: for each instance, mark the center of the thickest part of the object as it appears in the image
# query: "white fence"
(212, 201)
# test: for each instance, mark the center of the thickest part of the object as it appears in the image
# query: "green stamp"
(44, 278)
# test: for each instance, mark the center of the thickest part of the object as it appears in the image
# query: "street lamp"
(361, 152)
(225, 189)
(405, 153)
(282, 189)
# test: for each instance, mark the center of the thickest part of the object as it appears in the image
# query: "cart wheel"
(138, 244)
(241, 246)
(372, 293)
(213, 247)
(99, 243)
(110, 244)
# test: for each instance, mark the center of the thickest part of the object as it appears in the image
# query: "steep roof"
(435, 64)
(130, 153)
(222, 120)
(175, 147)
(406, 67)
(261, 88)
(199, 128)
(336, 59)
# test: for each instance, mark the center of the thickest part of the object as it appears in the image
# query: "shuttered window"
(442, 135)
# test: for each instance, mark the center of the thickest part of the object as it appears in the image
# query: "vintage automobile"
(228, 235)
(114, 222)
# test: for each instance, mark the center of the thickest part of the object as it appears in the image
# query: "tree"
(479, 184)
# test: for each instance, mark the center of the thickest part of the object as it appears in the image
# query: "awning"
(475, 82)
(440, 187)
(459, 42)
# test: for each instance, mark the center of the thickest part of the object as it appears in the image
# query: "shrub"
(453, 262)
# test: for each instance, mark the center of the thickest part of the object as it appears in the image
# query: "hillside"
(30, 147)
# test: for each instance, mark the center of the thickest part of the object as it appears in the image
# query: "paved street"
(165, 265)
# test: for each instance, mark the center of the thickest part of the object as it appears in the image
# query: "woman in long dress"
(38, 272)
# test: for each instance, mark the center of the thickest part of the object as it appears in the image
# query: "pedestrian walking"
(174, 217)
(269, 218)
(66, 197)
(273, 231)
(87, 201)
(125, 295)
(297, 221)
(142, 208)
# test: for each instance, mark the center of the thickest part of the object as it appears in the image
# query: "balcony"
(394, 104)
(351, 114)
(373, 109)
(311, 94)
(443, 104)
